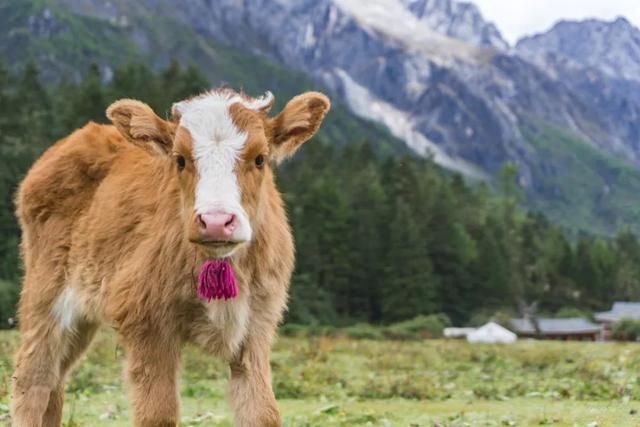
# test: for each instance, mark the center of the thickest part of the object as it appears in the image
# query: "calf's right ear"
(137, 122)
(296, 123)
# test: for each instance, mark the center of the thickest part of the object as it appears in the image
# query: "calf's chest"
(227, 323)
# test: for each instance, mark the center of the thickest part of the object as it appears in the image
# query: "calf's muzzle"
(216, 226)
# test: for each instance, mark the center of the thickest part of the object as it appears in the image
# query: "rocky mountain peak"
(612, 47)
(459, 20)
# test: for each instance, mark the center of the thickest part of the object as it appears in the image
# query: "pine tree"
(410, 286)
(85, 102)
(627, 279)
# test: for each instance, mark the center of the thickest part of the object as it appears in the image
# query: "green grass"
(342, 382)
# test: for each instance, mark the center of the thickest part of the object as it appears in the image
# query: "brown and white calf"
(116, 221)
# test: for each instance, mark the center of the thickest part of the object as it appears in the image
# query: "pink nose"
(217, 225)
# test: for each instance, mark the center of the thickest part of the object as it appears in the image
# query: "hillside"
(580, 184)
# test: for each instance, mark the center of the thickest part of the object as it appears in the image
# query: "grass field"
(342, 382)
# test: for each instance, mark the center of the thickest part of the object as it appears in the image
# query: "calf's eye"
(259, 161)
(180, 162)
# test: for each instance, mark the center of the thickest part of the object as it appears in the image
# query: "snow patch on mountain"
(393, 20)
(401, 125)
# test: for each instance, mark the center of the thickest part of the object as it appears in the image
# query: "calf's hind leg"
(76, 344)
(37, 374)
(47, 350)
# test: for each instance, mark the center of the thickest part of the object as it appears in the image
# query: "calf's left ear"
(137, 122)
(296, 123)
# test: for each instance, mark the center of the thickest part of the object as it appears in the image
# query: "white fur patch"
(231, 318)
(217, 143)
(259, 103)
(66, 309)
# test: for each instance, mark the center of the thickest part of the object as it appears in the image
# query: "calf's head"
(222, 144)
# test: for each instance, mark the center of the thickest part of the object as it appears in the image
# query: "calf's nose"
(217, 225)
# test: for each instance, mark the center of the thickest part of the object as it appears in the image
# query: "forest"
(381, 237)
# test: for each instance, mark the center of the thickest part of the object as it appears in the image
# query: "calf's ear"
(137, 122)
(296, 123)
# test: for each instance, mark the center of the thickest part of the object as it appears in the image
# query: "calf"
(116, 222)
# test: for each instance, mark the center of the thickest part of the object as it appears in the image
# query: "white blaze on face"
(216, 146)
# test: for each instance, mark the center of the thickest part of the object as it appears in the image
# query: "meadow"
(338, 381)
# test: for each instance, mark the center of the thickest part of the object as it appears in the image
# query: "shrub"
(502, 318)
(626, 330)
(363, 331)
(321, 330)
(430, 326)
(294, 330)
(481, 317)
(420, 327)
(304, 331)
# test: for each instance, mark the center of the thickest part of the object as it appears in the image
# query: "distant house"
(619, 311)
(557, 329)
(491, 333)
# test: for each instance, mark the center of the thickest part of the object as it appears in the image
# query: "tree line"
(379, 238)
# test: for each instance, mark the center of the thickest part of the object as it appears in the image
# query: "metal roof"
(619, 311)
(555, 326)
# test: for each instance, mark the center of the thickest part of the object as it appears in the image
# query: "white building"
(492, 333)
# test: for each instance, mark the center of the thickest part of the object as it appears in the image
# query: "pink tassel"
(216, 280)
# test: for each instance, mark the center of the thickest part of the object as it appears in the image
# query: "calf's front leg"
(250, 394)
(152, 371)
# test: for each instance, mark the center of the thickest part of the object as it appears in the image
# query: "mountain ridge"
(445, 82)
(593, 43)
(226, 66)
(461, 20)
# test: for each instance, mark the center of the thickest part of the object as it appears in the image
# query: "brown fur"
(106, 212)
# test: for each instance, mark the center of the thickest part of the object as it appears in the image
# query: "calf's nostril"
(231, 222)
(201, 223)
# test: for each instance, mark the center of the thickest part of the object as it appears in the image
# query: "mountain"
(462, 21)
(472, 105)
(613, 48)
(65, 38)
(433, 72)
(600, 62)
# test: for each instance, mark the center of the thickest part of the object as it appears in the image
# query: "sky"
(517, 18)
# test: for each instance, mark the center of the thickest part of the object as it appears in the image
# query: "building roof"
(555, 326)
(492, 333)
(619, 311)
